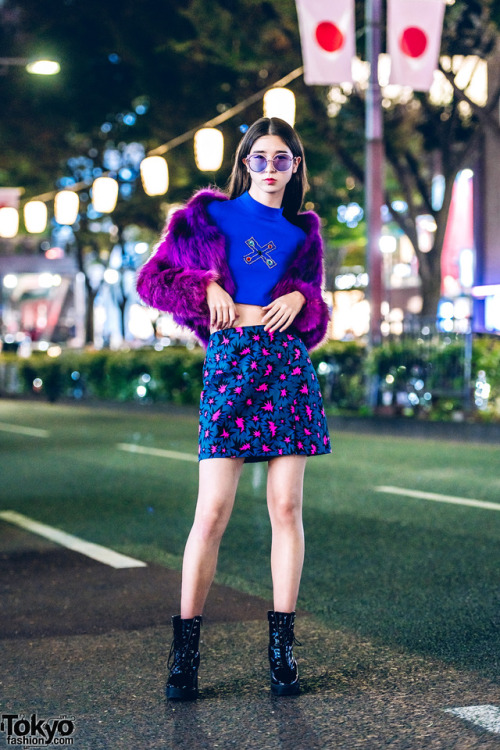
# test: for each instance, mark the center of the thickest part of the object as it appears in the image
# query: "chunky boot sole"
(292, 689)
(181, 694)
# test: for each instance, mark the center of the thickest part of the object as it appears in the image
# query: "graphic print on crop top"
(260, 253)
(260, 245)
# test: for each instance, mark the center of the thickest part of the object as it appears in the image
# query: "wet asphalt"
(83, 641)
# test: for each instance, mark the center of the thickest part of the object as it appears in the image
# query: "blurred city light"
(350, 215)
(36, 67)
(10, 281)
(111, 276)
(388, 243)
(43, 67)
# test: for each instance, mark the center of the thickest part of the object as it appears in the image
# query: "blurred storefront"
(486, 288)
(42, 302)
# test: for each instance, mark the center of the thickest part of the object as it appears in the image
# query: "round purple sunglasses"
(258, 162)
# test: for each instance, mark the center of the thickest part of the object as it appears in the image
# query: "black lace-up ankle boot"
(284, 672)
(184, 659)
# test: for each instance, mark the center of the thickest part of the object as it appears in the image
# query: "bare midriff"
(246, 315)
(249, 315)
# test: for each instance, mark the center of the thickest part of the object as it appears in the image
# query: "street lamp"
(35, 67)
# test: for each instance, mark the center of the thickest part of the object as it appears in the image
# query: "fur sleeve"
(190, 255)
(171, 287)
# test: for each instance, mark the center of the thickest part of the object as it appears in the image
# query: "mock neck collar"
(259, 209)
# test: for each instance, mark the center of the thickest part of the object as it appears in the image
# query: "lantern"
(154, 175)
(279, 102)
(9, 222)
(208, 149)
(66, 205)
(35, 217)
(104, 194)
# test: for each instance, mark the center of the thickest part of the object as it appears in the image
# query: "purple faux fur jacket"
(192, 253)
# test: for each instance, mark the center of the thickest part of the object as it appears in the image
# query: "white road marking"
(439, 498)
(95, 551)
(31, 431)
(160, 452)
(486, 717)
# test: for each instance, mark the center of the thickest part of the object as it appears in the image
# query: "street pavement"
(86, 644)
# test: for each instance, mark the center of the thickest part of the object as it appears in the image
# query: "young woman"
(244, 271)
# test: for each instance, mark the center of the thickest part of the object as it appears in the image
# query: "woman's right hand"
(221, 306)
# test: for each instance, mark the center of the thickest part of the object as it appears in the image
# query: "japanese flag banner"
(414, 40)
(327, 38)
(9, 197)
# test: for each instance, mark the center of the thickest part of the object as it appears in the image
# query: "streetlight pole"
(374, 159)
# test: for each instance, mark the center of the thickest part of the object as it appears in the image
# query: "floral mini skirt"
(260, 397)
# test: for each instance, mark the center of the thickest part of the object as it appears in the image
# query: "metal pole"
(374, 157)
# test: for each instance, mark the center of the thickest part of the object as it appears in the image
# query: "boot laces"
(284, 638)
(177, 657)
(284, 651)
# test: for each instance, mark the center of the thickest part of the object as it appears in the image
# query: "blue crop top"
(260, 245)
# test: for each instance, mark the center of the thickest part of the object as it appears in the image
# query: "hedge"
(173, 374)
(402, 376)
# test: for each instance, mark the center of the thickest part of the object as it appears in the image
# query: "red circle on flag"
(329, 36)
(413, 41)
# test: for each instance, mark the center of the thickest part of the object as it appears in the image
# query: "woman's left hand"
(281, 312)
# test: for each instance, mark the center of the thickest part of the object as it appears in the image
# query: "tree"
(181, 65)
(178, 66)
(423, 138)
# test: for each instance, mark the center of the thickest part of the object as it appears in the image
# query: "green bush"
(433, 375)
(429, 376)
(340, 366)
(486, 361)
(173, 374)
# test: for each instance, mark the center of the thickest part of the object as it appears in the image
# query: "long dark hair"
(296, 188)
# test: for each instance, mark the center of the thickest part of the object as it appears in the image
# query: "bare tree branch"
(413, 165)
(484, 114)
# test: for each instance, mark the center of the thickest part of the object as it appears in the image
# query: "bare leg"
(217, 489)
(285, 481)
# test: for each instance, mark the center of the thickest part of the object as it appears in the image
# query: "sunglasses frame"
(278, 156)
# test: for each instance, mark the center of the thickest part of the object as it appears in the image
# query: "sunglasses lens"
(257, 163)
(282, 162)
